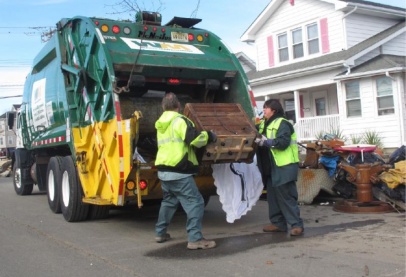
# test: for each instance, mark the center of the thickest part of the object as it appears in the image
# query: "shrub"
(372, 137)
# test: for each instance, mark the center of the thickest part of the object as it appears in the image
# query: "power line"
(12, 85)
(15, 96)
(45, 32)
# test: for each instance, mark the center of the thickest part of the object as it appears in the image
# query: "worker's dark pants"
(185, 192)
(283, 206)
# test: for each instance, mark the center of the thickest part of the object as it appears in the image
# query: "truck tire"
(18, 186)
(72, 207)
(98, 212)
(54, 184)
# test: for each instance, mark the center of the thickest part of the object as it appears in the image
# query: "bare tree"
(131, 7)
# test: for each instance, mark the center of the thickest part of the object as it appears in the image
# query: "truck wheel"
(98, 212)
(18, 186)
(73, 209)
(54, 184)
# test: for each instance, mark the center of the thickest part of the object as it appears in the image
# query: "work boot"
(201, 244)
(272, 228)
(163, 238)
(296, 231)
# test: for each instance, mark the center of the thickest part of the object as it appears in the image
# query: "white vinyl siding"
(387, 126)
(361, 27)
(301, 14)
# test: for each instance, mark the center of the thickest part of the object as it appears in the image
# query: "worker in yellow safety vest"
(278, 162)
(176, 162)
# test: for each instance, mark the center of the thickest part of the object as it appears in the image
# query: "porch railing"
(310, 127)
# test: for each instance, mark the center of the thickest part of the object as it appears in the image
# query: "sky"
(23, 21)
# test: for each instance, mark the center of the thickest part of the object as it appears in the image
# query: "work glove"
(260, 141)
(212, 137)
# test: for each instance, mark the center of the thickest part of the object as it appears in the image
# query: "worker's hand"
(260, 141)
(212, 137)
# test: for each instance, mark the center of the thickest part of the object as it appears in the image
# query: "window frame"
(285, 34)
(387, 110)
(313, 39)
(297, 45)
(356, 99)
(304, 43)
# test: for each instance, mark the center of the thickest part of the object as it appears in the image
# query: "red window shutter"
(301, 106)
(271, 56)
(325, 44)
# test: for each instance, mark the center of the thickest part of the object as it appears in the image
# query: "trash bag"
(342, 186)
(398, 155)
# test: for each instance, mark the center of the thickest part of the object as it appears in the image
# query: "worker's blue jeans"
(283, 207)
(186, 192)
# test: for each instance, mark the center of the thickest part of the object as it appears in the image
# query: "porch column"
(297, 105)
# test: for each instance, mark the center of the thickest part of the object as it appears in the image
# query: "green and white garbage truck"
(86, 126)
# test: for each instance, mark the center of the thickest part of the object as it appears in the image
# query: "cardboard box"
(235, 131)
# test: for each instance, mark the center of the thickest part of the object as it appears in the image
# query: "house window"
(10, 140)
(1, 141)
(352, 98)
(312, 39)
(320, 106)
(384, 96)
(297, 42)
(283, 47)
(290, 109)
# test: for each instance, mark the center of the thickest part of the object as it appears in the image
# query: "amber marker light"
(104, 28)
(130, 185)
(199, 38)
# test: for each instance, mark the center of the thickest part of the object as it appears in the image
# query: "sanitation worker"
(177, 163)
(278, 161)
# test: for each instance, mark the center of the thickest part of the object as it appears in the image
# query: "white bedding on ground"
(230, 190)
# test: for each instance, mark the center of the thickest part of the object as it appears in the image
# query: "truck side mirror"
(10, 120)
(40, 128)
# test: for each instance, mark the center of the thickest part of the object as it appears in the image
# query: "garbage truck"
(86, 127)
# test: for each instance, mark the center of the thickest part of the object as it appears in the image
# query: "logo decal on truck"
(39, 113)
(150, 45)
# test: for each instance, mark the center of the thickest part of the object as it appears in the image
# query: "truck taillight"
(191, 37)
(173, 81)
(143, 184)
(115, 29)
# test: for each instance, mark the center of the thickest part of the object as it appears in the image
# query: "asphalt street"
(36, 242)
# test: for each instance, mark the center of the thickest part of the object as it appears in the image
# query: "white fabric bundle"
(237, 198)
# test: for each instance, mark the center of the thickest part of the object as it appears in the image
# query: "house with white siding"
(335, 65)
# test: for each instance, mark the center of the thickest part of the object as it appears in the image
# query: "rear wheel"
(73, 209)
(54, 184)
(17, 182)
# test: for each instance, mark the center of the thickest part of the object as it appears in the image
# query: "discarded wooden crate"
(235, 131)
